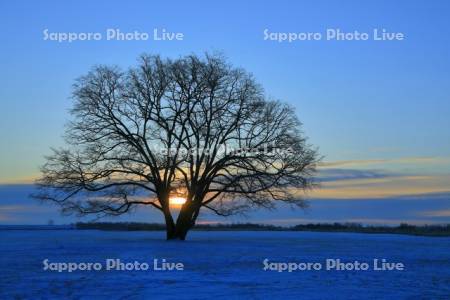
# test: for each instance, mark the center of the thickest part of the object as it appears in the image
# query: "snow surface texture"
(221, 265)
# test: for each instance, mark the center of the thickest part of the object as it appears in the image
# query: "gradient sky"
(378, 111)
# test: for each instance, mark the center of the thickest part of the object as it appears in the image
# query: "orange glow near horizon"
(177, 201)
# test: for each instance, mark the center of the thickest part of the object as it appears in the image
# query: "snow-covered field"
(221, 265)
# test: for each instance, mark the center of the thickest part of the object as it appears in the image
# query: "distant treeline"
(133, 226)
(428, 230)
(37, 227)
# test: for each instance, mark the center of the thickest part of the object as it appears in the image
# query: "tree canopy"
(195, 128)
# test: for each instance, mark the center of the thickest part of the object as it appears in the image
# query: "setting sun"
(177, 200)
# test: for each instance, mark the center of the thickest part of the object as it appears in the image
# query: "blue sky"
(376, 110)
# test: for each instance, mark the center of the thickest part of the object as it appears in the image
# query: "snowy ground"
(221, 265)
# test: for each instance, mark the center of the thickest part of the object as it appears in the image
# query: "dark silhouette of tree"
(193, 127)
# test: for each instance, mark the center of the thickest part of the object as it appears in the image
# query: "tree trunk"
(178, 233)
(185, 221)
(170, 231)
(170, 225)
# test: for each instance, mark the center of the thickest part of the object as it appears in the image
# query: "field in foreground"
(221, 265)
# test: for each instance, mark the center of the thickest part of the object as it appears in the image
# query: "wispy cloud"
(335, 174)
(13, 208)
(403, 160)
(383, 178)
(437, 213)
(347, 163)
(19, 180)
(7, 212)
(381, 187)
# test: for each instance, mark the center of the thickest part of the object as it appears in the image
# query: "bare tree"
(193, 127)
